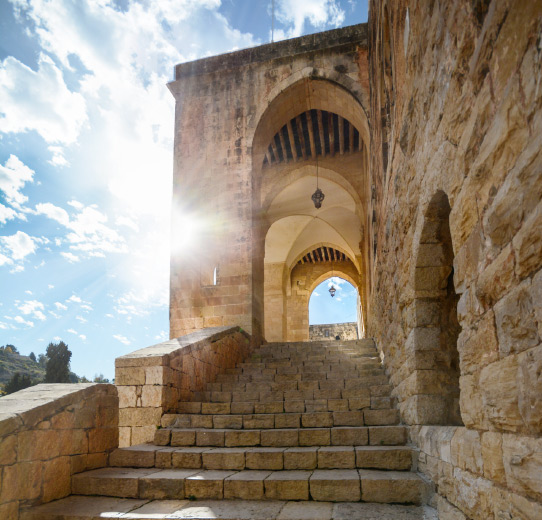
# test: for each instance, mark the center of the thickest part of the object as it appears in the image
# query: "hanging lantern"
(332, 291)
(317, 197)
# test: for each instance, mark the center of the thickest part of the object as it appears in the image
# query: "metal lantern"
(332, 291)
(317, 197)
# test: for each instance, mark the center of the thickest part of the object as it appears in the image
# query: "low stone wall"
(153, 380)
(481, 475)
(49, 432)
(329, 332)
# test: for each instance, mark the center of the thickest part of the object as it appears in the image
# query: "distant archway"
(334, 317)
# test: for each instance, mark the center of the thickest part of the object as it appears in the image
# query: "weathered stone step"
(91, 508)
(308, 391)
(399, 458)
(290, 406)
(365, 417)
(340, 485)
(335, 436)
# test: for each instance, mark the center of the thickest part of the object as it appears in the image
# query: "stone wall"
(49, 432)
(485, 474)
(330, 331)
(153, 380)
(456, 150)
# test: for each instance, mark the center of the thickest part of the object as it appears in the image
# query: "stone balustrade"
(49, 432)
(481, 475)
(153, 380)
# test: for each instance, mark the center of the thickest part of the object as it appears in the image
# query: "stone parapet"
(153, 380)
(330, 331)
(49, 432)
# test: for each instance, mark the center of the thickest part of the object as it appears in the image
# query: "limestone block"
(381, 417)
(306, 511)
(38, 445)
(165, 484)
(278, 437)
(208, 438)
(380, 457)
(530, 388)
(314, 437)
(391, 486)
(424, 409)
(447, 511)
(21, 481)
(424, 312)
(336, 457)
(206, 421)
(522, 458)
(350, 418)
(291, 420)
(182, 458)
(139, 416)
(162, 437)
(478, 347)
(471, 402)
(510, 505)
(129, 376)
(492, 457)
(246, 485)
(385, 436)
(497, 278)
(8, 450)
(102, 439)
(137, 456)
(517, 329)
(9, 511)
(471, 494)
(264, 458)
(223, 458)
(423, 338)
(466, 451)
(56, 479)
(183, 437)
(335, 485)
(242, 438)
(300, 458)
(287, 485)
(206, 484)
(499, 389)
(528, 244)
(152, 396)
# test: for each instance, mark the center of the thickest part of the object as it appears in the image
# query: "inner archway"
(334, 311)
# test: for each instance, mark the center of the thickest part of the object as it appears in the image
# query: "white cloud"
(34, 308)
(50, 286)
(74, 299)
(5, 260)
(53, 212)
(29, 293)
(70, 256)
(39, 100)
(4, 325)
(58, 158)
(14, 174)
(320, 13)
(61, 306)
(22, 321)
(123, 339)
(75, 204)
(72, 331)
(83, 337)
(81, 319)
(6, 213)
(17, 269)
(128, 222)
(86, 307)
(20, 244)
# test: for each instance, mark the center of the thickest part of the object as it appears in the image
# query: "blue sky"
(86, 127)
(339, 309)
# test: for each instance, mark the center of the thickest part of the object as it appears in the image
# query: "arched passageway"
(312, 135)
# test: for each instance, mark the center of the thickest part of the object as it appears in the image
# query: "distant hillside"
(11, 363)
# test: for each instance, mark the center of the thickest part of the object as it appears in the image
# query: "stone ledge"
(351, 36)
(158, 354)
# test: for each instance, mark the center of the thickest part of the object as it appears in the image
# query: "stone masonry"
(329, 332)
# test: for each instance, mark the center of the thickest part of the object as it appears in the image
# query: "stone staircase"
(307, 422)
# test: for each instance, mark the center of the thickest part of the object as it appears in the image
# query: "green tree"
(17, 382)
(42, 360)
(32, 356)
(57, 369)
(99, 378)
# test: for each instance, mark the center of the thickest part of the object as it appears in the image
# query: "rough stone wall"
(153, 380)
(330, 331)
(49, 432)
(220, 102)
(456, 96)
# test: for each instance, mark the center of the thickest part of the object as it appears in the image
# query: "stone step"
(335, 436)
(399, 458)
(281, 355)
(337, 485)
(288, 406)
(307, 385)
(364, 417)
(92, 508)
(339, 372)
